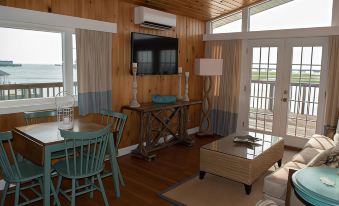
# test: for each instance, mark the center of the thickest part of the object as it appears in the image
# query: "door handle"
(284, 99)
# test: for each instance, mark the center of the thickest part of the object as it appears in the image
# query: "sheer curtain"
(332, 104)
(94, 64)
(226, 88)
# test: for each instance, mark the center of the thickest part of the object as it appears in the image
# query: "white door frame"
(304, 42)
(283, 77)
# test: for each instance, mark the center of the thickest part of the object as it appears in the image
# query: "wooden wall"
(188, 30)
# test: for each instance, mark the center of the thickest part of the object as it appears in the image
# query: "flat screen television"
(155, 55)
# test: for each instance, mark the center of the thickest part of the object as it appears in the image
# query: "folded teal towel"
(159, 99)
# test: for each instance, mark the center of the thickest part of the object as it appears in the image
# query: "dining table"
(38, 142)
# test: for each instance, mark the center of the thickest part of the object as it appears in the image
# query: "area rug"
(216, 191)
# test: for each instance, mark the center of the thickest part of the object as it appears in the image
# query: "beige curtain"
(94, 64)
(332, 104)
(226, 88)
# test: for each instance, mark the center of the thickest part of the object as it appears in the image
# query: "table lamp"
(207, 68)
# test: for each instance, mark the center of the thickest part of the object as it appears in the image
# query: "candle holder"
(64, 102)
(179, 97)
(186, 98)
(134, 102)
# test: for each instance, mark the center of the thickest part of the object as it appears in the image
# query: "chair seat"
(28, 171)
(61, 168)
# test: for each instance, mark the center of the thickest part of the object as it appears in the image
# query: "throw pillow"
(333, 158)
(320, 158)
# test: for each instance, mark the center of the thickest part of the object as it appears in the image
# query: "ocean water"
(34, 73)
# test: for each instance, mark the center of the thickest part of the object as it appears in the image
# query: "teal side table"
(312, 191)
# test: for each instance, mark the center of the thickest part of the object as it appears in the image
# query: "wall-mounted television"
(155, 55)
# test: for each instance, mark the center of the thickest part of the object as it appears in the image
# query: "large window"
(278, 15)
(290, 14)
(32, 64)
(227, 24)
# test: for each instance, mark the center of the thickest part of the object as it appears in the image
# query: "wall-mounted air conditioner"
(151, 18)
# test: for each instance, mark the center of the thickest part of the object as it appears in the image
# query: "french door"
(286, 94)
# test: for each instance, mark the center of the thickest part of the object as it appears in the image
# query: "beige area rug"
(216, 191)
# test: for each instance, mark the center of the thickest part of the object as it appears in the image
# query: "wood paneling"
(198, 9)
(188, 30)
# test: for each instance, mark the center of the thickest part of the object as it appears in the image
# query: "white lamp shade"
(208, 67)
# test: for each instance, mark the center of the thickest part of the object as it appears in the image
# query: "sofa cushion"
(306, 155)
(320, 142)
(275, 184)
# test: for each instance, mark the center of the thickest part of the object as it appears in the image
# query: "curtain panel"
(226, 88)
(332, 103)
(94, 64)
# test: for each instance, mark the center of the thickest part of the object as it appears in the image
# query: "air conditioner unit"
(151, 18)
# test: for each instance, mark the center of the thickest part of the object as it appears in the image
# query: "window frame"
(33, 104)
(246, 21)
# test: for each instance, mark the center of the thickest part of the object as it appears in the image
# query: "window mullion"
(245, 20)
(68, 62)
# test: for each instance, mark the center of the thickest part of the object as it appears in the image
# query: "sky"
(294, 14)
(30, 47)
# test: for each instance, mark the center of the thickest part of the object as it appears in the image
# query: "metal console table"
(157, 122)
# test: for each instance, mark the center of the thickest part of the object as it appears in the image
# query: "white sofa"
(275, 184)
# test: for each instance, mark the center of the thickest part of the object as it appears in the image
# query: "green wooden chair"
(88, 163)
(118, 121)
(23, 174)
(38, 116)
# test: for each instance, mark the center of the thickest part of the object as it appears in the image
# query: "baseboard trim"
(129, 149)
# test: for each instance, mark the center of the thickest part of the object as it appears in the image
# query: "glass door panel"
(263, 79)
(304, 90)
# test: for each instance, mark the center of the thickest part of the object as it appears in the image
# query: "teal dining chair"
(87, 163)
(39, 116)
(23, 174)
(118, 121)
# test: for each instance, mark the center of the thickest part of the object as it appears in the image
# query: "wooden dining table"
(37, 142)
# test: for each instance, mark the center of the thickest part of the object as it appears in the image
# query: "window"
(228, 24)
(32, 64)
(290, 14)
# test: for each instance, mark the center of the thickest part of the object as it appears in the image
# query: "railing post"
(270, 103)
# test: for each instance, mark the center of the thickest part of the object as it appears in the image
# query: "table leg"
(114, 166)
(186, 138)
(248, 189)
(202, 175)
(47, 177)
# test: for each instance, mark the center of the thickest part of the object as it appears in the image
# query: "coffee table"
(241, 162)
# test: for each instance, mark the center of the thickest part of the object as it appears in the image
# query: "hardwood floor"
(145, 179)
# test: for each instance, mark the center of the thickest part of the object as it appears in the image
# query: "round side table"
(310, 190)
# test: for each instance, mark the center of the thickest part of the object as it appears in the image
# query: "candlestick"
(180, 70)
(179, 97)
(186, 99)
(134, 102)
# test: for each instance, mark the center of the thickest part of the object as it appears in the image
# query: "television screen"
(154, 54)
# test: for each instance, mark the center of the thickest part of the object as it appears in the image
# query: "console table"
(157, 122)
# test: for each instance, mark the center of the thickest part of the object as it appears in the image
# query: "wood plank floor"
(145, 179)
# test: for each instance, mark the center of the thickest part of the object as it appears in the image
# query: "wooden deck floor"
(145, 179)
